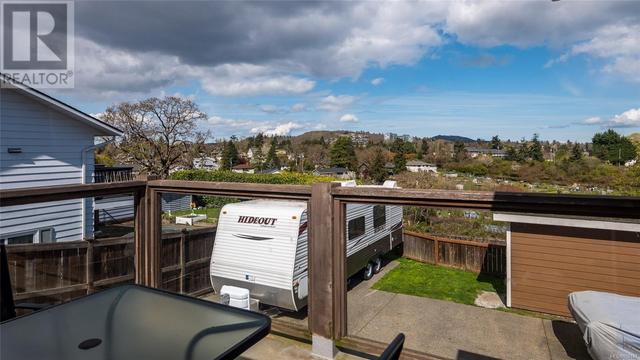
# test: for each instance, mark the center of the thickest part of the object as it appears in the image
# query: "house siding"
(51, 146)
(550, 262)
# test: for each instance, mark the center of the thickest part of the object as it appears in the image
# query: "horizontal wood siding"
(51, 146)
(175, 202)
(550, 262)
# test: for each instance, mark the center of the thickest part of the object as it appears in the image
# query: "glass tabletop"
(133, 322)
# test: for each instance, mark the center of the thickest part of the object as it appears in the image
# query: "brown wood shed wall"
(549, 262)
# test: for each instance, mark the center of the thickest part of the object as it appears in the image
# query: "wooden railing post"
(327, 296)
(153, 238)
(181, 259)
(139, 200)
(89, 266)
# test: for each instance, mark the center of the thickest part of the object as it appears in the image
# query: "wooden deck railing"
(327, 257)
(59, 272)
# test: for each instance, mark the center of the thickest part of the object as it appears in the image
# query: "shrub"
(289, 178)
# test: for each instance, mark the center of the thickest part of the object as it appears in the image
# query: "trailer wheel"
(368, 271)
(377, 265)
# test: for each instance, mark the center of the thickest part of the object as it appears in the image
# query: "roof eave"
(107, 130)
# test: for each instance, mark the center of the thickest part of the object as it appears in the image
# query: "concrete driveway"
(456, 331)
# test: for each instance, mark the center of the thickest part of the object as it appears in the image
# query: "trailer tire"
(377, 265)
(368, 271)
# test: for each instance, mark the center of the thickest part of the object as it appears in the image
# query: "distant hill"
(453, 138)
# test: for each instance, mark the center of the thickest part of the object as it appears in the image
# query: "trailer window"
(379, 216)
(356, 227)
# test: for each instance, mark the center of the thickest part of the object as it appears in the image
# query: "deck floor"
(444, 329)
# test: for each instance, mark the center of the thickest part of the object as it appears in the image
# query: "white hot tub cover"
(609, 322)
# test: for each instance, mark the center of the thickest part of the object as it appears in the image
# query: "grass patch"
(415, 278)
(212, 214)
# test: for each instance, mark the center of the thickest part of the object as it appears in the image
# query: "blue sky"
(475, 69)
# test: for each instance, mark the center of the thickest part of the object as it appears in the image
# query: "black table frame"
(231, 353)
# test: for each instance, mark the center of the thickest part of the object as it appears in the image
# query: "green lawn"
(212, 214)
(437, 282)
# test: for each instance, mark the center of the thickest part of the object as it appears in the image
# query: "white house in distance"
(475, 152)
(421, 166)
(243, 169)
(206, 162)
(45, 142)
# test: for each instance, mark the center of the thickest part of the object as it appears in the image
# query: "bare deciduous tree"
(159, 134)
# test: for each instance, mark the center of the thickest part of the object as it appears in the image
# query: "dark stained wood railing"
(327, 310)
(60, 272)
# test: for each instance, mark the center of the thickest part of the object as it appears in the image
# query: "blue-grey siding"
(51, 146)
(120, 207)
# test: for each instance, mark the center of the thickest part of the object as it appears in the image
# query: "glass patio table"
(133, 322)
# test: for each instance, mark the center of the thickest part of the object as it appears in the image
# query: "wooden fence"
(485, 257)
(59, 272)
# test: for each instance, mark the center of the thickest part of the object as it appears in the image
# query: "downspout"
(84, 178)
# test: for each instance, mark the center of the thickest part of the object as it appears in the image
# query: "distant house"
(630, 162)
(339, 172)
(363, 170)
(243, 169)
(360, 138)
(475, 152)
(45, 142)
(251, 153)
(421, 166)
(390, 167)
(205, 162)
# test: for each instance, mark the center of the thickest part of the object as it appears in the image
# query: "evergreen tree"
(272, 160)
(229, 156)
(496, 143)
(512, 154)
(399, 163)
(377, 171)
(459, 150)
(259, 141)
(424, 149)
(343, 153)
(576, 153)
(535, 149)
(611, 146)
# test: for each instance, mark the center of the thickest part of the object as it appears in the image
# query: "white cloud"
(349, 118)
(628, 118)
(248, 79)
(283, 52)
(298, 107)
(618, 45)
(592, 121)
(276, 129)
(377, 81)
(336, 103)
(233, 123)
(271, 109)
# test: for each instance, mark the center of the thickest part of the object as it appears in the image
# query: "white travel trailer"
(261, 245)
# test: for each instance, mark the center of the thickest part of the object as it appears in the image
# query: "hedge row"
(289, 178)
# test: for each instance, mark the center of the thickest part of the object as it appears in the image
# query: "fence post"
(181, 259)
(436, 250)
(89, 266)
(327, 285)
